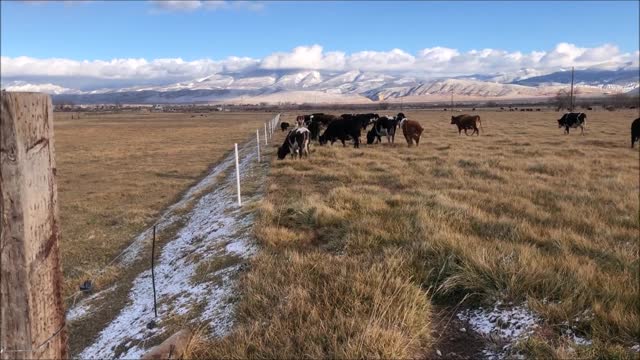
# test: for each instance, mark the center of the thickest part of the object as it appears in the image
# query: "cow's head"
(560, 122)
(454, 120)
(400, 116)
(283, 151)
(322, 139)
(371, 136)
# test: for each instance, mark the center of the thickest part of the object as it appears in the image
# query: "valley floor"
(520, 241)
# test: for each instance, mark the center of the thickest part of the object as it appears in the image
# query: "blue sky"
(135, 29)
(95, 44)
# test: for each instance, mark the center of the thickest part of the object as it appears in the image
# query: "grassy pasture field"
(116, 172)
(361, 246)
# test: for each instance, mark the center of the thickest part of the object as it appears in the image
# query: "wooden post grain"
(32, 324)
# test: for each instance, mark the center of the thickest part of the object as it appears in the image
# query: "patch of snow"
(503, 321)
(636, 348)
(45, 88)
(215, 227)
(577, 339)
(505, 324)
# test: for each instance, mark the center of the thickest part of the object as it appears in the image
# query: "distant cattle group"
(327, 129)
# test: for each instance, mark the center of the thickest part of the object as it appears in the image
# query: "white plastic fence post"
(258, 143)
(238, 175)
(265, 134)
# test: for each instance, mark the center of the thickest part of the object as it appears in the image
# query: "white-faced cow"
(573, 120)
(296, 143)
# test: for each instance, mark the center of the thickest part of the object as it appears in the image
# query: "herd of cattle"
(350, 126)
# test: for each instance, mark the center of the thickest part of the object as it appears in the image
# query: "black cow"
(284, 126)
(345, 128)
(314, 128)
(363, 119)
(573, 120)
(635, 131)
(296, 143)
(324, 119)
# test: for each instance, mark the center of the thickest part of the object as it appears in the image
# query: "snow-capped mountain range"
(313, 86)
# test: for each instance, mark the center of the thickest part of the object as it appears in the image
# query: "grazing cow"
(284, 126)
(573, 120)
(296, 143)
(466, 122)
(314, 128)
(345, 128)
(372, 135)
(635, 131)
(412, 131)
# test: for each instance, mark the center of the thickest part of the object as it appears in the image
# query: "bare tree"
(562, 100)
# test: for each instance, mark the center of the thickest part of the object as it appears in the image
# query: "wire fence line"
(269, 128)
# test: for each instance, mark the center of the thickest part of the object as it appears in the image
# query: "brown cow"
(412, 130)
(465, 122)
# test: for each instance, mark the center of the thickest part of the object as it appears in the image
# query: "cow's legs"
(566, 130)
(582, 130)
(417, 140)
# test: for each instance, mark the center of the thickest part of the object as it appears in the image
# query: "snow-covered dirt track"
(212, 232)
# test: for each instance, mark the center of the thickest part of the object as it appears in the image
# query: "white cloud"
(429, 62)
(192, 5)
(305, 57)
(177, 5)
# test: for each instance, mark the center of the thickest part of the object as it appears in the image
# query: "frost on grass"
(215, 227)
(504, 325)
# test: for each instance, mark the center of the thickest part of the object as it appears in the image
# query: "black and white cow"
(296, 143)
(573, 120)
(384, 126)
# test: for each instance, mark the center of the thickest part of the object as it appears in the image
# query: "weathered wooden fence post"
(32, 309)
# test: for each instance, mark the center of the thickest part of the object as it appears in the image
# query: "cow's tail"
(481, 128)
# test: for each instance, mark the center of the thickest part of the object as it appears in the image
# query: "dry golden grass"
(358, 242)
(116, 172)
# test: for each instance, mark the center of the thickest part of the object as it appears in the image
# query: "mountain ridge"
(354, 85)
